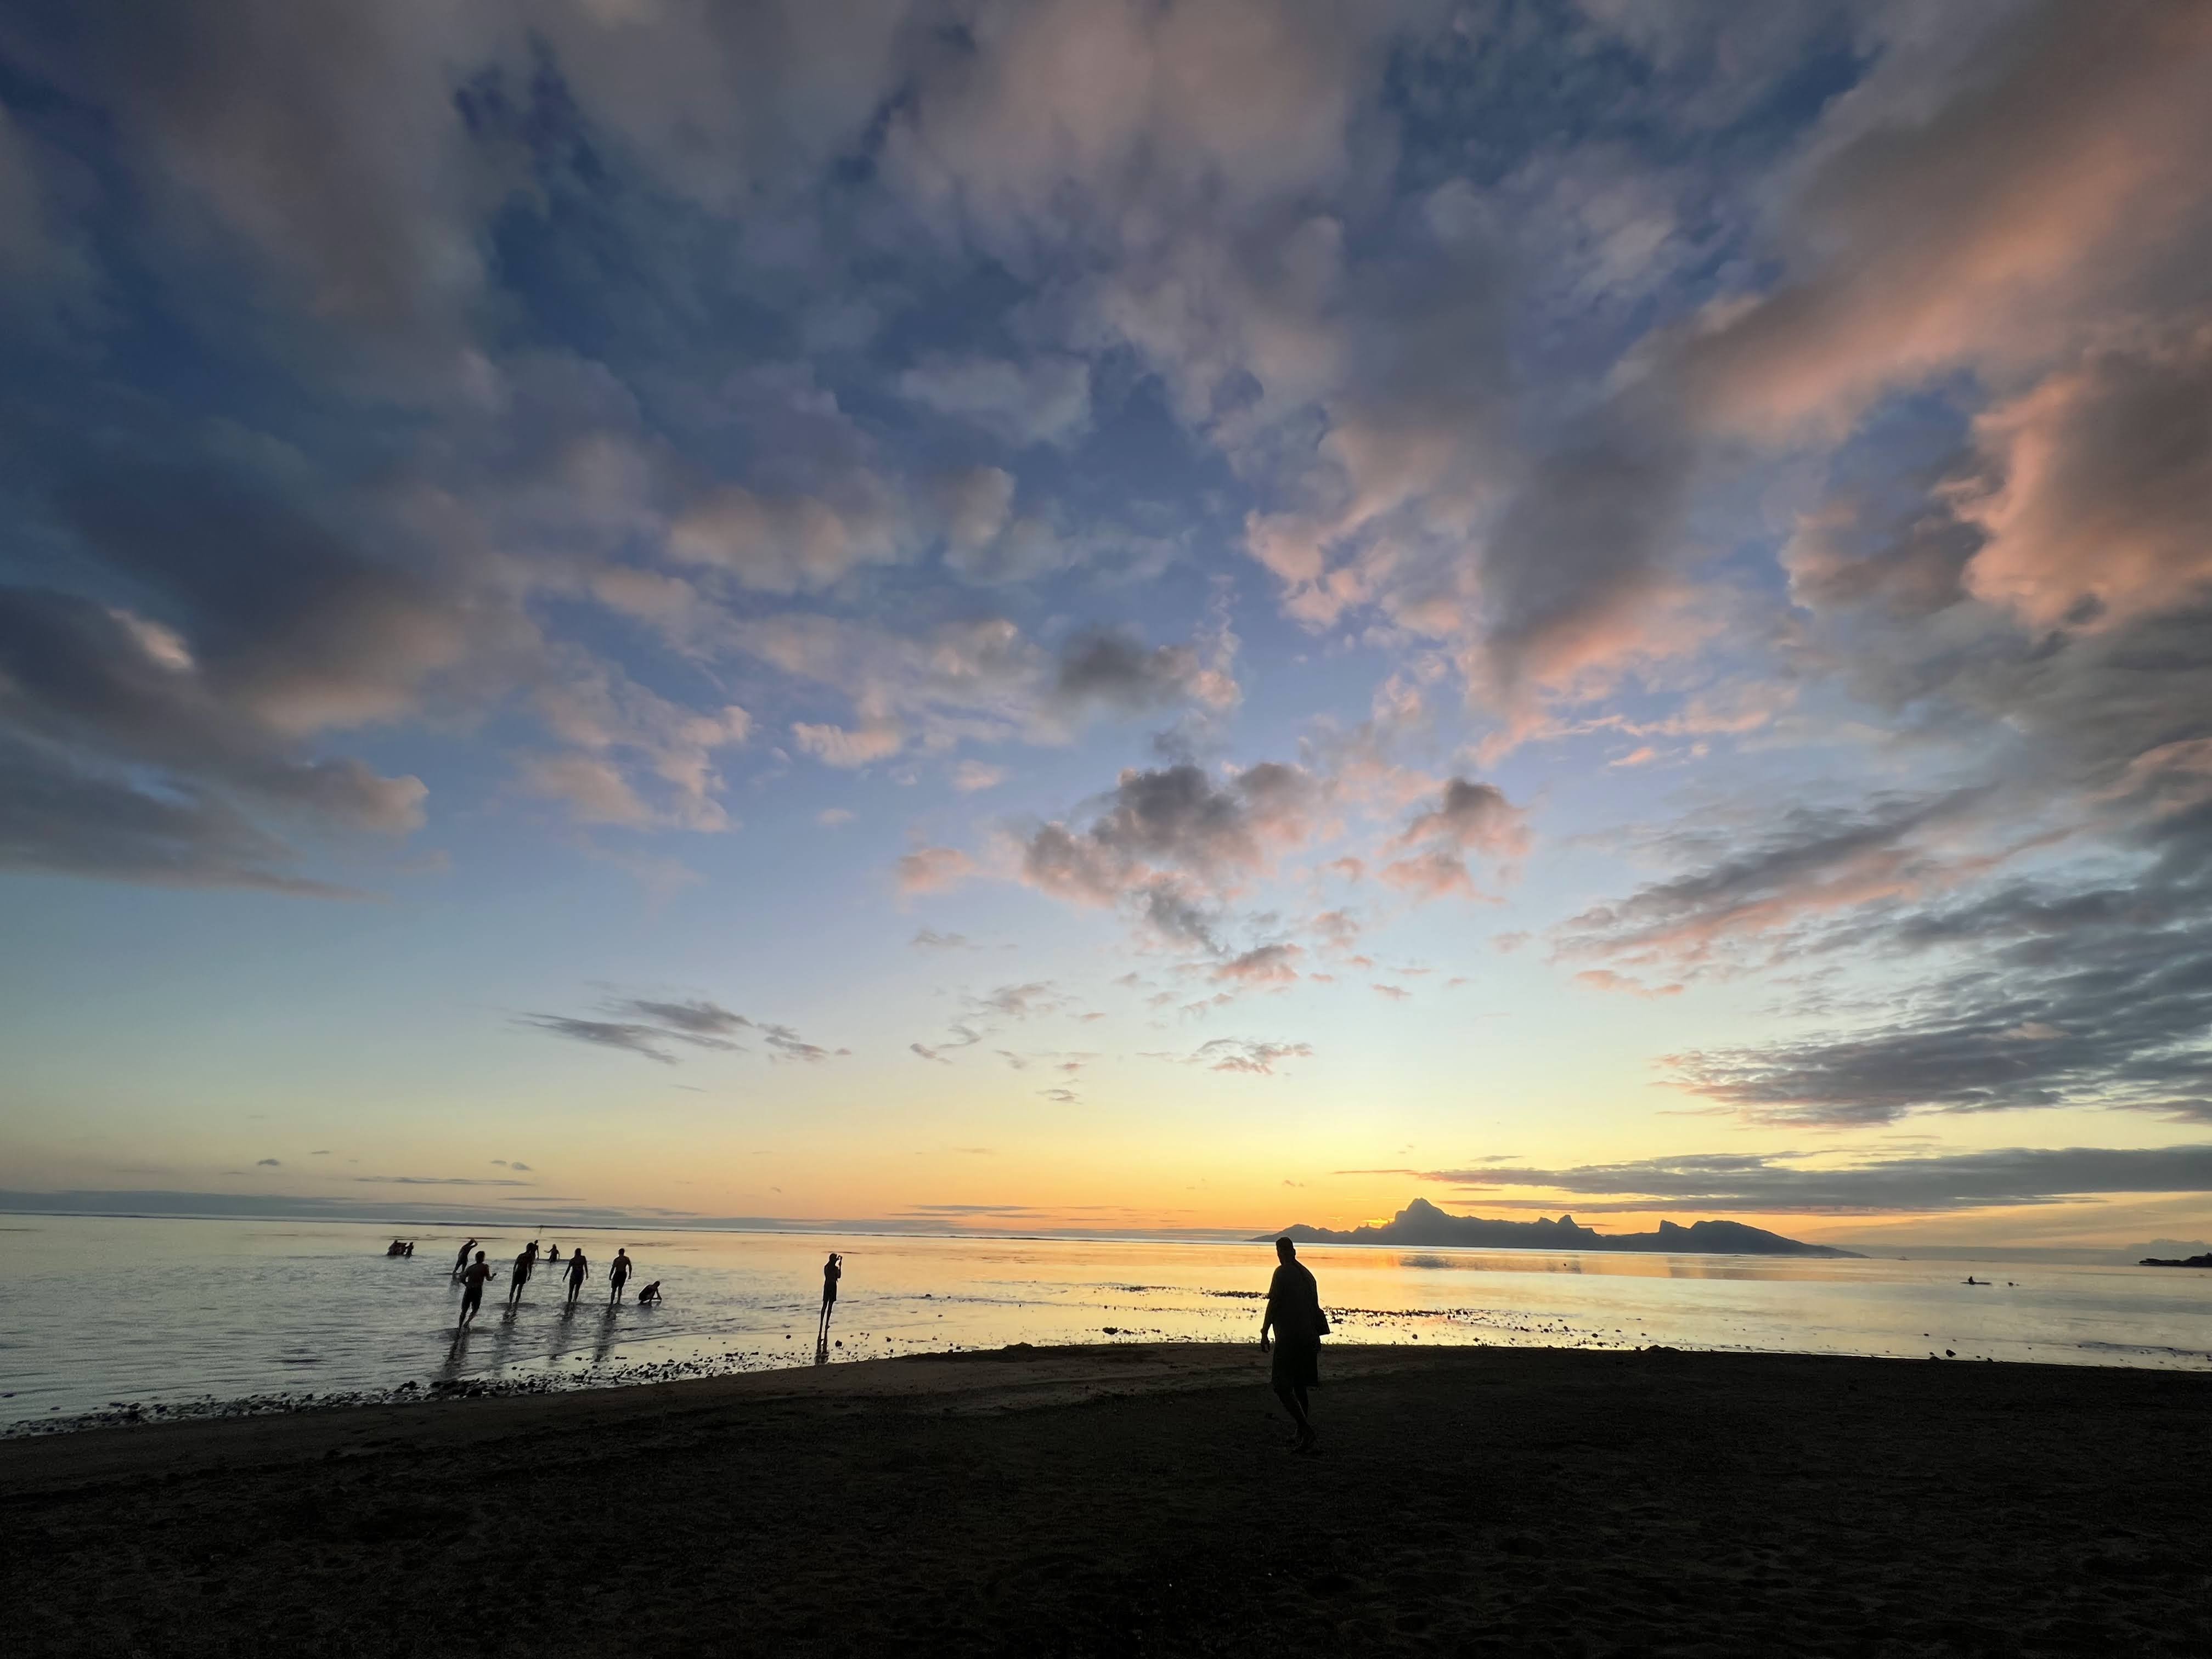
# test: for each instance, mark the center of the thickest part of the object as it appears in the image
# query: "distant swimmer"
(832, 1271)
(523, 1263)
(578, 1271)
(461, 1262)
(649, 1295)
(617, 1276)
(473, 1283)
(1294, 1310)
(553, 1254)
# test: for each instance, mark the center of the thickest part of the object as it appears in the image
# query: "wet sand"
(1138, 1500)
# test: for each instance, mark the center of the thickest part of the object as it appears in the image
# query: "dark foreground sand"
(1129, 1500)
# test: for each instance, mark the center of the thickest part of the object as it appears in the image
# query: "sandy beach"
(1130, 1499)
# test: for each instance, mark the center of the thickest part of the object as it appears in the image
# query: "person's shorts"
(1297, 1362)
(472, 1297)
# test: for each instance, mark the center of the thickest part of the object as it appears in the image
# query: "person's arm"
(1268, 1313)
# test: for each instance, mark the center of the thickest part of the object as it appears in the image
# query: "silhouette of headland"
(1423, 1222)
(2204, 1260)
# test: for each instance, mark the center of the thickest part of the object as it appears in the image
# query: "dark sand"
(1138, 1500)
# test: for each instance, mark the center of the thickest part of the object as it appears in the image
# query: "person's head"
(1285, 1251)
(480, 1256)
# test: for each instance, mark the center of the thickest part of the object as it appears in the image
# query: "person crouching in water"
(1294, 1312)
(578, 1271)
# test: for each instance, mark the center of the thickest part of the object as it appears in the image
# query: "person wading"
(1294, 1314)
(473, 1283)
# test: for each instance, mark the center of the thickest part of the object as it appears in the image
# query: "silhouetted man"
(832, 1271)
(579, 1270)
(523, 1263)
(1294, 1312)
(617, 1276)
(461, 1262)
(473, 1283)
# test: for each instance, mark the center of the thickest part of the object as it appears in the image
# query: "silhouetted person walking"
(523, 1263)
(1294, 1311)
(617, 1276)
(461, 1262)
(578, 1271)
(473, 1283)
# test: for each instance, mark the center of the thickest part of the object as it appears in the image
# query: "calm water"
(96, 1310)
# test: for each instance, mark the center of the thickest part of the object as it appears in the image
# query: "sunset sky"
(1107, 614)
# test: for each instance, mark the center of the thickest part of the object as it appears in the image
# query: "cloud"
(929, 939)
(1264, 964)
(981, 680)
(1782, 1183)
(2106, 480)
(267, 1164)
(1814, 863)
(933, 869)
(971, 775)
(2076, 995)
(790, 543)
(1470, 819)
(785, 1043)
(1020, 1001)
(697, 1024)
(1160, 827)
(1604, 979)
(1112, 668)
(128, 756)
(848, 748)
(1044, 400)
(1255, 1058)
(606, 1033)
(700, 1021)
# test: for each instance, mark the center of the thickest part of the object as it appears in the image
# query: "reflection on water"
(103, 1310)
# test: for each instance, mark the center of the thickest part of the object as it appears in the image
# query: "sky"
(1112, 615)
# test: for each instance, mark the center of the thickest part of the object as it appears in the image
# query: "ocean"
(100, 1312)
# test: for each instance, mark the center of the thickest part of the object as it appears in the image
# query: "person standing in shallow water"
(579, 1270)
(617, 1276)
(473, 1283)
(1294, 1312)
(523, 1263)
(461, 1262)
(832, 1271)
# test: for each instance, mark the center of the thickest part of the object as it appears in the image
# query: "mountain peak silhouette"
(1423, 1223)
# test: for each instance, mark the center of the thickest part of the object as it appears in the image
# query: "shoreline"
(651, 1374)
(675, 1372)
(1138, 1498)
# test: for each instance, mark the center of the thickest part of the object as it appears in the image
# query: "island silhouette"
(1422, 1223)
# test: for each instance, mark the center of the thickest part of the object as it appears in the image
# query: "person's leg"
(1289, 1395)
